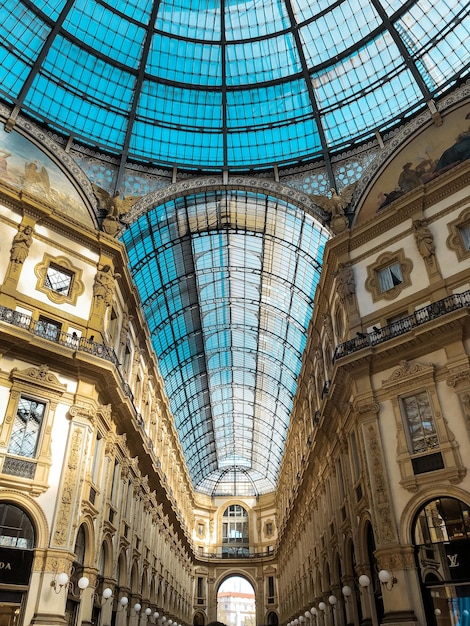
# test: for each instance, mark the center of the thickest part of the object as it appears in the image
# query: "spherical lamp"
(364, 580)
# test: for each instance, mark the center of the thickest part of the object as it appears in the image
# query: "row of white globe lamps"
(386, 578)
(313, 611)
(124, 601)
(62, 581)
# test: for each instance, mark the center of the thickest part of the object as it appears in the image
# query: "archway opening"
(236, 602)
(17, 542)
(441, 534)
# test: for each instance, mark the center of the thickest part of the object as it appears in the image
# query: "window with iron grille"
(26, 428)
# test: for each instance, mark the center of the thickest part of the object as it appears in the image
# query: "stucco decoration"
(199, 185)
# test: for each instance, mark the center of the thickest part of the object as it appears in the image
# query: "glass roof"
(226, 278)
(227, 281)
(228, 83)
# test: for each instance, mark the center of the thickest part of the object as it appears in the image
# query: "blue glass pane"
(262, 60)
(246, 20)
(106, 32)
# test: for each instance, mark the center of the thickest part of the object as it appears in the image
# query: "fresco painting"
(25, 167)
(435, 151)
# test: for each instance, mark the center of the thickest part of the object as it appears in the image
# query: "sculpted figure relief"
(424, 239)
(345, 281)
(104, 286)
(21, 243)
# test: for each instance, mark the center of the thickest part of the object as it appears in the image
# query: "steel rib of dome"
(239, 84)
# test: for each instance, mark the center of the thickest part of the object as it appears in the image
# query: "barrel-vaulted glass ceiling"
(228, 83)
(227, 281)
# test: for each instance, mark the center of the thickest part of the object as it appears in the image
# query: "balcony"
(54, 334)
(403, 325)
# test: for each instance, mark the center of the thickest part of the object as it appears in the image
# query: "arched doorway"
(198, 619)
(236, 605)
(441, 534)
(17, 541)
(273, 619)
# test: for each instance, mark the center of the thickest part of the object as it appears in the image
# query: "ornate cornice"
(409, 371)
(242, 183)
(39, 376)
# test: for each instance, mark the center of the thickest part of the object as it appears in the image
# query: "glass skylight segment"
(244, 20)
(50, 8)
(73, 66)
(197, 19)
(440, 59)
(337, 30)
(64, 107)
(261, 60)
(306, 9)
(175, 124)
(106, 32)
(16, 73)
(230, 355)
(135, 9)
(199, 63)
(273, 103)
(22, 31)
(373, 109)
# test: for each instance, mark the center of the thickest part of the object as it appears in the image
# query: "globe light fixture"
(387, 579)
(60, 581)
(364, 580)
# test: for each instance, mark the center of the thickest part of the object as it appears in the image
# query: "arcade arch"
(236, 602)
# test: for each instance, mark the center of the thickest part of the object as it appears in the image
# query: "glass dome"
(206, 84)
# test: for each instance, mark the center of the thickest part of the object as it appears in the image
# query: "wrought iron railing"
(50, 333)
(240, 554)
(403, 325)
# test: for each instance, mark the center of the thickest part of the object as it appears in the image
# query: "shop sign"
(15, 566)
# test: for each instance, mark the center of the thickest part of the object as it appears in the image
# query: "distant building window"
(390, 277)
(419, 418)
(26, 428)
(235, 536)
(58, 279)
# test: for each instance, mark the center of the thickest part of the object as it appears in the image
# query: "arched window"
(16, 529)
(235, 533)
(441, 533)
(17, 542)
(442, 520)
